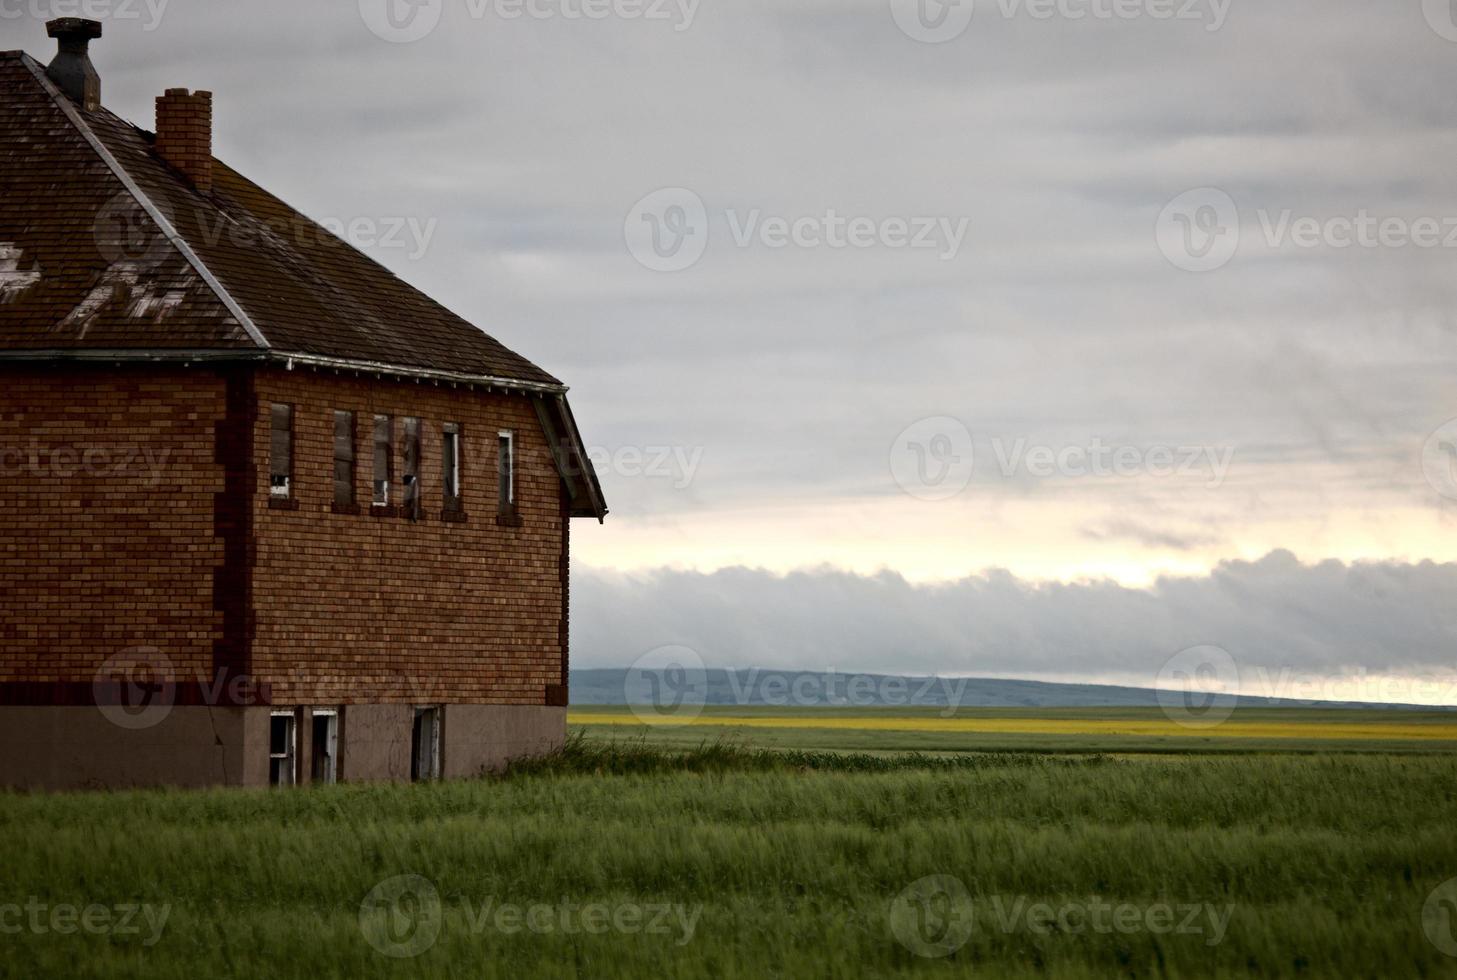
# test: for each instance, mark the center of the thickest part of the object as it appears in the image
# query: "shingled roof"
(107, 252)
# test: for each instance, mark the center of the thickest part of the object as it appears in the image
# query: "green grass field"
(632, 859)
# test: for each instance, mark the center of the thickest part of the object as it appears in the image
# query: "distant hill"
(777, 688)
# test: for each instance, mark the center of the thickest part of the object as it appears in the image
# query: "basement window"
(411, 477)
(425, 745)
(383, 459)
(325, 746)
(281, 742)
(450, 464)
(506, 472)
(344, 459)
(280, 466)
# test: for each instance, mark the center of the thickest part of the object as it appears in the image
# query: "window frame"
(426, 763)
(389, 462)
(286, 773)
(290, 487)
(340, 416)
(411, 453)
(452, 468)
(506, 473)
(331, 746)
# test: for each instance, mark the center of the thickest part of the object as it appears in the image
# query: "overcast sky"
(1016, 335)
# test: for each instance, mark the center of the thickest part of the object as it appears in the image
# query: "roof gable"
(82, 265)
(116, 250)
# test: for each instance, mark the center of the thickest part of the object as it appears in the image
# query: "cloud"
(1123, 529)
(794, 369)
(1277, 617)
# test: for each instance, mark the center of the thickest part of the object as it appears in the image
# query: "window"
(344, 458)
(325, 768)
(281, 748)
(506, 470)
(383, 459)
(425, 745)
(411, 477)
(280, 482)
(450, 459)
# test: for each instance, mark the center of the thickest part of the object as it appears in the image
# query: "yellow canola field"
(1047, 726)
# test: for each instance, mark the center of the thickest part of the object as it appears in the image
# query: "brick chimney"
(184, 134)
(71, 70)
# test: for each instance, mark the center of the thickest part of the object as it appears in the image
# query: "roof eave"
(283, 358)
(579, 476)
(290, 360)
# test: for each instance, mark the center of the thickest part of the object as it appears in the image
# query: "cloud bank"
(1283, 622)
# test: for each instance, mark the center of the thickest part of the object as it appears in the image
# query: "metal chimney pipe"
(71, 69)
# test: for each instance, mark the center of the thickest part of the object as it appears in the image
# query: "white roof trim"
(152, 210)
(429, 374)
(275, 356)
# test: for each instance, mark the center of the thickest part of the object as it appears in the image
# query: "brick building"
(267, 513)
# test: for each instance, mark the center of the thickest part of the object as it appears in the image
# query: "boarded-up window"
(344, 458)
(450, 463)
(383, 459)
(280, 483)
(506, 472)
(411, 477)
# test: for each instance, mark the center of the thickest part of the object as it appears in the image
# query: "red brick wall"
(361, 608)
(100, 552)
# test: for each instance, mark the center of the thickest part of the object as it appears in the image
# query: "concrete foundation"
(85, 748)
(78, 748)
(481, 738)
